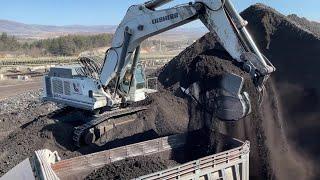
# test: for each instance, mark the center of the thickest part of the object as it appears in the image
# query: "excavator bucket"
(231, 103)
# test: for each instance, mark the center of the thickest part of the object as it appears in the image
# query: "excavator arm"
(116, 84)
(140, 23)
(221, 18)
(143, 21)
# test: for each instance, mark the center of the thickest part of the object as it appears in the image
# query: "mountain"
(35, 31)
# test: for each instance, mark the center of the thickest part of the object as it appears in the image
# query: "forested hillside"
(62, 46)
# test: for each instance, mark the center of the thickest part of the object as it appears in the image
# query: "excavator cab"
(139, 80)
(134, 87)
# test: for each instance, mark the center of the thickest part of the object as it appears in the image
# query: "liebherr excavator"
(121, 80)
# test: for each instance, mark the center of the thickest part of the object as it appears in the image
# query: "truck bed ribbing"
(231, 164)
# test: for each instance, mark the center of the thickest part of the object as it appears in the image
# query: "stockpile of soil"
(131, 168)
(312, 26)
(292, 44)
(205, 66)
(272, 155)
(24, 140)
(21, 121)
(292, 49)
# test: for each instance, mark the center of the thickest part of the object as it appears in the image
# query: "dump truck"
(229, 164)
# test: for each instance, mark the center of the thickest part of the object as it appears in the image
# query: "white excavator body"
(73, 90)
(63, 85)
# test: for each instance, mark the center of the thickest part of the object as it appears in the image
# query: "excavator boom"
(218, 16)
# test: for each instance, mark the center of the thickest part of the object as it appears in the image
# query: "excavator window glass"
(139, 76)
(127, 78)
(126, 81)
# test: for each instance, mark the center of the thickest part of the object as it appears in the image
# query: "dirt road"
(9, 88)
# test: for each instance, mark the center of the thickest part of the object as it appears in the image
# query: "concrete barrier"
(2, 77)
(23, 78)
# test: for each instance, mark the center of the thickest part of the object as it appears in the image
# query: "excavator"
(121, 80)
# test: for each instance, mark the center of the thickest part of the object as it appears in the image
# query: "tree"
(8, 43)
(65, 45)
(4, 37)
(53, 47)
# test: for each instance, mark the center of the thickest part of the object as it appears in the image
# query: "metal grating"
(48, 86)
(66, 85)
(57, 86)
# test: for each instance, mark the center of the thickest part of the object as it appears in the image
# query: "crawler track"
(105, 117)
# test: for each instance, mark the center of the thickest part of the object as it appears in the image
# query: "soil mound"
(312, 26)
(206, 67)
(292, 44)
(293, 50)
(30, 137)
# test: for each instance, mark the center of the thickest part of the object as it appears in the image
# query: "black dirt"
(292, 44)
(206, 67)
(131, 168)
(290, 102)
(30, 137)
(312, 26)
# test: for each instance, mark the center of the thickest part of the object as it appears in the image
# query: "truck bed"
(232, 163)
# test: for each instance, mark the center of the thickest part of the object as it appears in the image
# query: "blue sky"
(110, 12)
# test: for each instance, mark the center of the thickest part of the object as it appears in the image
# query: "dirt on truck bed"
(287, 117)
(131, 168)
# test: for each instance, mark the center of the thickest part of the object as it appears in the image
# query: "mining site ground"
(12, 87)
(283, 130)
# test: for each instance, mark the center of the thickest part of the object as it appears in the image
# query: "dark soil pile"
(206, 68)
(21, 109)
(294, 50)
(30, 137)
(312, 26)
(131, 168)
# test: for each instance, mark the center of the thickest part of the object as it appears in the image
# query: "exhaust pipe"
(153, 4)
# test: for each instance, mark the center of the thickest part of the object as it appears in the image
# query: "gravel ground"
(21, 119)
(21, 109)
(21, 102)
